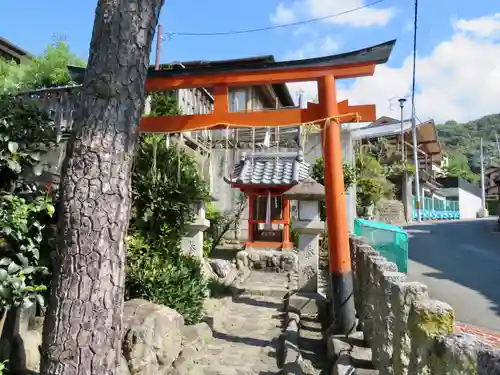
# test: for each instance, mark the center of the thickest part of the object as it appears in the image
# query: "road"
(460, 263)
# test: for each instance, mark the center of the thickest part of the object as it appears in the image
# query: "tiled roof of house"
(270, 169)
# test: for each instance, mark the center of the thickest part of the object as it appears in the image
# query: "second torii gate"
(324, 70)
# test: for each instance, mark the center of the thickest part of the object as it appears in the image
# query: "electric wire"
(297, 23)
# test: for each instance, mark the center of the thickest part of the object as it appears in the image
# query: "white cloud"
(458, 80)
(325, 46)
(282, 15)
(485, 27)
(365, 17)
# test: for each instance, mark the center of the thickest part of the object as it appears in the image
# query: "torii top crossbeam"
(347, 65)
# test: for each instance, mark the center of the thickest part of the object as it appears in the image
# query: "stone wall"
(408, 332)
(390, 212)
(155, 340)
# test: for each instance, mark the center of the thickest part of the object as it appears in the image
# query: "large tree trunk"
(83, 325)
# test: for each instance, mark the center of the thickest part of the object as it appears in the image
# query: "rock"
(364, 371)
(152, 337)
(207, 271)
(194, 340)
(221, 267)
(196, 335)
(32, 341)
(123, 367)
(336, 347)
(343, 366)
(361, 357)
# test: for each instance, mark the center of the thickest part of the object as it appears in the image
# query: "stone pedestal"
(192, 242)
(309, 227)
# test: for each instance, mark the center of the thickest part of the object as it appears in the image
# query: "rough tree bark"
(83, 325)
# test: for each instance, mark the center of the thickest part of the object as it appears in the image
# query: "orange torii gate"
(324, 70)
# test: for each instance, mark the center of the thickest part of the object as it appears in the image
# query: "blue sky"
(32, 25)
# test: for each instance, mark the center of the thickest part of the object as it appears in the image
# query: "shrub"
(222, 222)
(160, 275)
(166, 182)
(26, 134)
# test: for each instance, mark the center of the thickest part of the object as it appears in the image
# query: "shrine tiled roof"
(270, 169)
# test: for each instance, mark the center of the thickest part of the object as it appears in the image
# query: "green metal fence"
(437, 209)
(389, 240)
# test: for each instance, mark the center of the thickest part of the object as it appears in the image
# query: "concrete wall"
(408, 332)
(469, 204)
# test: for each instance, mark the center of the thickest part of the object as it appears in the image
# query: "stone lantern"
(192, 242)
(309, 226)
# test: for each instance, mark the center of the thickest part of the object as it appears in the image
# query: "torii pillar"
(341, 280)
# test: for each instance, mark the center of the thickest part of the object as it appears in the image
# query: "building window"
(237, 100)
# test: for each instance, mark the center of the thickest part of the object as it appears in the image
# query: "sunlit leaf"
(13, 268)
(14, 165)
(13, 147)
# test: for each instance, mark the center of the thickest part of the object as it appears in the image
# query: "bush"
(492, 206)
(26, 134)
(160, 275)
(165, 183)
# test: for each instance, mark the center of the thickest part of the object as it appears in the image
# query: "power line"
(246, 31)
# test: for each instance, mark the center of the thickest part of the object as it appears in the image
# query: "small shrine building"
(264, 177)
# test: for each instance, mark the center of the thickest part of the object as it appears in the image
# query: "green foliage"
(318, 173)
(48, 70)
(368, 174)
(465, 139)
(3, 366)
(162, 276)
(492, 206)
(371, 180)
(11, 76)
(26, 134)
(21, 236)
(166, 183)
(222, 222)
(458, 166)
(51, 69)
(162, 104)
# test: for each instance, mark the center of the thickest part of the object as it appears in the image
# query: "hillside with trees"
(462, 143)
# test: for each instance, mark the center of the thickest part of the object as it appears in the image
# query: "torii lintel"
(278, 118)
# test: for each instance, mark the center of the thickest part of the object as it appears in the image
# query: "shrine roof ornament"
(276, 169)
(307, 190)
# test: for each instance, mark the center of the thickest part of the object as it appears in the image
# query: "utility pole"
(413, 116)
(158, 47)
(483, 190)
(404, 177)
(401, 105)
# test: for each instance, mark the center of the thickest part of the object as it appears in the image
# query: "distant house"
(463, 195)
(492, 182)
(442, 197)
(429, 154)
(11, 52)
